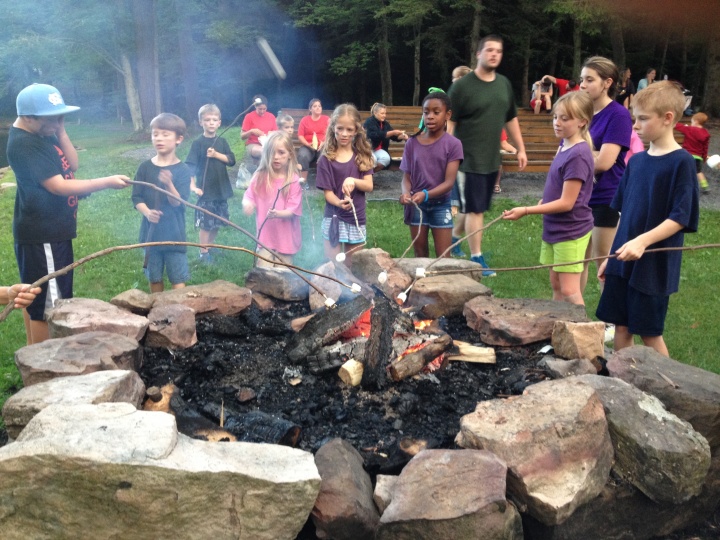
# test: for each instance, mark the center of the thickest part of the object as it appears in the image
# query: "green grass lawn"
(108, 218)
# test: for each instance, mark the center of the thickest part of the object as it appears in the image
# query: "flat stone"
(459, 267)
(555, 441)
(74, 316)
(263, 302)
(690, 393)
(134, 300)
(344, 509)
(559, 368)
(221, 297)
(171, 327)
(578, 340)
(93, 388)
(506, 322)
(384, 486)
(367, 265)
(120, 473)
(443, 296)
(77, 355)
(451, 494)
(279, 283)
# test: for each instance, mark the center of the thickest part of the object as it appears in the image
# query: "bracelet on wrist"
(427, 195)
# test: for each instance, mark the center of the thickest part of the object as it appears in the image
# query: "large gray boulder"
(77, 355)
(279, 283)
(555, 441)
(93, 388)
(451, 494)
(110, 471)
(443, 296)
(458, 267)
(74, 316)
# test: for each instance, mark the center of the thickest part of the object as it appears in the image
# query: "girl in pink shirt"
(276, 195)
(311, 134)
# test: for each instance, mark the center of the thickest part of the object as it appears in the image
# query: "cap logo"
(55, 98)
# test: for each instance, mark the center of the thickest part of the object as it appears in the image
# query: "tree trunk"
(144, 22)
(617, 41)
(131, 93)
(661, 72)
(475, 34)
(711, 101)
(187, 62)
(577, 50)
(384, 62)
(417, 31)
(526, 74)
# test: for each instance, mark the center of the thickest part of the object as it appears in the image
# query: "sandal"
(497, 189)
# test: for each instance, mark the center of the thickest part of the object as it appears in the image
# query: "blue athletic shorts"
(436, 214)
(622, 305)
(175, 263)
(38, 260)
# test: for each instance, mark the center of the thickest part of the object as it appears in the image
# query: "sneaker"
(481, 261)
(457, 250)
(609, 333)
(206, 258)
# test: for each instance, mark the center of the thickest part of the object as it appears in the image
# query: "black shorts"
(211, 223)
(622, 305)
(476, 191)
(604, 216)
(698, 165)
(38, 260)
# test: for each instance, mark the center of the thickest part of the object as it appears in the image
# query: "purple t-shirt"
(426, 163)
(331, 175)
(611, 125)
(575, 163)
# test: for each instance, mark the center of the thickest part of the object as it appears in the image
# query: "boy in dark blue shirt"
(658, 199)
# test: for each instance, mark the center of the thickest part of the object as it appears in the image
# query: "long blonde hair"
(264, 181)
(579, 106)
(360, 144)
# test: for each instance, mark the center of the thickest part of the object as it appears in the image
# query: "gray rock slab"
(451, 494)
(445, 295)
(384, 486)
(221, 297)
(690, 393)
(79, 315)
(660, 454)
(518, 321)
(555, 441)
(279, 283)
(463, 267)
(123, 473)
(77, 355)
(171, 327)
(559, 368)
(93, 388)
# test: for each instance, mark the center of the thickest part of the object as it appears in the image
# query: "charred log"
(379, 348)
(325, 328)
(413, 362)
(333, 356)
(260, 427)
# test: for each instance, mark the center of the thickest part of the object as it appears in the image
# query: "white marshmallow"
(340, 257)
(402, 297)
(382, 277)
(419, 272)
(329, 302)
(355, 288)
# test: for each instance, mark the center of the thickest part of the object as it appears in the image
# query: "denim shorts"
(436, 214)
(622, 305)
(175, 263)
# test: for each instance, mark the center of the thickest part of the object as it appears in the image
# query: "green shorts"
(564, 252)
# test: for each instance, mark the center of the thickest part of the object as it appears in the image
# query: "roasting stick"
(329, 302)
(277, 196)
(340, 257)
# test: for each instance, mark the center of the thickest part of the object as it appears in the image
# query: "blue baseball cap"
(41, 100)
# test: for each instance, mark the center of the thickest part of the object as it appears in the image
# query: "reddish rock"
(578, 340)
(458, 267)
(367, 265)
(171, 327)
(221, 297)
(134, 300)
(75, 316)
(443, 296)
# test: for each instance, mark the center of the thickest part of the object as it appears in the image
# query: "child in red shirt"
(697, 141)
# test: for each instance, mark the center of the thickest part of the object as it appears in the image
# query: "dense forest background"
(130, 59)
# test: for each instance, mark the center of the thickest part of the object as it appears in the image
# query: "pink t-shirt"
(283, 235)
(265, 123)
(308, 126)
(636, 146)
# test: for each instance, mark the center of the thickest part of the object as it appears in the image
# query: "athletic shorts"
(38, 260)
(175, 263)
(476, 191)
(622, 305)
(210, 223)
(604, 216)
(436, 214)
(698, 164)
(564, 252)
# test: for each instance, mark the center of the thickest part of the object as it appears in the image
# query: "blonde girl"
(276, 197)
(344, 173)
(567, 218)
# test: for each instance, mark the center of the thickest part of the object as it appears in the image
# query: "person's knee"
(382, 158)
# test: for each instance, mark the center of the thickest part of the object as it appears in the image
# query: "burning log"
(351, 372)
(325, 328)
(413, 362)
(471, 353)
(379, 348)
(260, 427)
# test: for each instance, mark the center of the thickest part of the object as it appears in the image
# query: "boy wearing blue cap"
(44, 160)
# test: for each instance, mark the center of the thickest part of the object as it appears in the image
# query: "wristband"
(427, 195)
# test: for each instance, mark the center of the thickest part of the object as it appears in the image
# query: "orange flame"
(361, 328)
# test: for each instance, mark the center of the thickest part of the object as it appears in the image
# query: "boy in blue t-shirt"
(658, 199)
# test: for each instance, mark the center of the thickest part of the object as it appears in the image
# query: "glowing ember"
(361, 328)
(420, 325)
(413, 348)
(436, 364)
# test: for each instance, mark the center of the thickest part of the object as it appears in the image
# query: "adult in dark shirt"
(379, 132)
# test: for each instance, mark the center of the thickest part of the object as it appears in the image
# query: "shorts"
(436, 214)
(604, 216)
(210, 223)
(175, 263)
(38, 260)
(564, 252)
(542, 104)
(476, 191)
(698, 164)
(455, 195)
(348, 234)
(622, 305)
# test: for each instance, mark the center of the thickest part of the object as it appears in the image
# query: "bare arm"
(57, 185)
(566, 202)
(67, 146)
(635, 248)
(606, 157)
(21, 295)
(513, 130)
(451, 127)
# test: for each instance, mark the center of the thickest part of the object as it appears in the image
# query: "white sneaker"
(609, 333)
